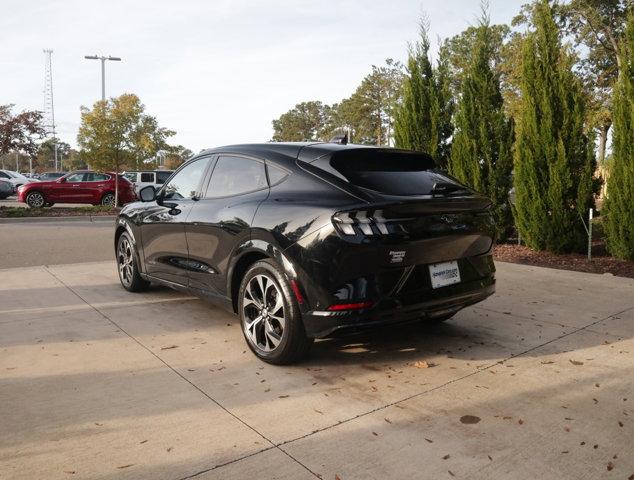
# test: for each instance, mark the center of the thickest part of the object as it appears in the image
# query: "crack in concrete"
(279, 446)
(220, 405)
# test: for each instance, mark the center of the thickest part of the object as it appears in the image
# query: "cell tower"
(49, 105)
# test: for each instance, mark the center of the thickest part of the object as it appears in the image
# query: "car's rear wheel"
(35, 199)
(270, 317)
(108, 200)
(128, 265)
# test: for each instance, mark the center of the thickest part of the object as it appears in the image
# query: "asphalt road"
(54, 243)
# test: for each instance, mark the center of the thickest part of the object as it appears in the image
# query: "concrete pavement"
(55, 242)
(97, 383)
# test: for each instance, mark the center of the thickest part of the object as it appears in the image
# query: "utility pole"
(49, 105)
(103, 70)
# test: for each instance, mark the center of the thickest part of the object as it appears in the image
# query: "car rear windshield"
(389, 172)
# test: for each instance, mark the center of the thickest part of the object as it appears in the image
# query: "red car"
(77, 187)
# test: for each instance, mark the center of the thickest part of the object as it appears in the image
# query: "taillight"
(351, 223)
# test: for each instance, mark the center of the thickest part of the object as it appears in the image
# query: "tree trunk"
(603, 139)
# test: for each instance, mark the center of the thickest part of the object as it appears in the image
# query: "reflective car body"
(356, 257)
(82, 186)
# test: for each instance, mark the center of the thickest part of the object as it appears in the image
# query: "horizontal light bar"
(337, 307)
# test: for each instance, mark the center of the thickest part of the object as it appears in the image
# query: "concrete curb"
(77, 218)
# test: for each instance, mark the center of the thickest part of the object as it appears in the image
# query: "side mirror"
(61, 179)
(147, 194)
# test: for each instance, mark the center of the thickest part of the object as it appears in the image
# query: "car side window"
(185, 183)
(276, 175)
(161, 177)
(75, 177)
(4, 175)
(98, 177)
(147, 177)
(236, 175)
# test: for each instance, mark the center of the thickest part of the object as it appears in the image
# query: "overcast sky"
(216, 71)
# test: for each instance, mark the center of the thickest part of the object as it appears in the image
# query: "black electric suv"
(304, 240)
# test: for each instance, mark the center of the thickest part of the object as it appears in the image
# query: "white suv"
(16, 179)
(154, 178)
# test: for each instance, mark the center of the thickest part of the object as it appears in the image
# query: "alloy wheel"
(108, 200)
(263, 311)
(125, 262)
(35, 200)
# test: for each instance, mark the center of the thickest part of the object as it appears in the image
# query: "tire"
(108, 200)
(273, 328)
(128, 265)
(35, 199)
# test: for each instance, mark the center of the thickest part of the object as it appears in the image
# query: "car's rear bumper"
(433, 304)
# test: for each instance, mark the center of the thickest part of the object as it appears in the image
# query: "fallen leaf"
(169, 449)
(387, 420)
(142, 442)
(610, 466)
(547, 362)
(520, 421)
(283, 396)
(490, 457)
(169, 348)
(451, 473)
(429, 440)
(446, 457)
(469, 419)
(337, 477)
(424, 364)
(70, 472)
(620, 424)
(576, 362)
(125, 466)
(375, 434)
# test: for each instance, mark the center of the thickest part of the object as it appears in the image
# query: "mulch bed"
(601, 262)
(19, 212)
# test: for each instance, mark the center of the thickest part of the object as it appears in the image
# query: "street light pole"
(103, 70)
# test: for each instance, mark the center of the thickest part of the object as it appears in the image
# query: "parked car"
(47, 176)
(306, 240)
(6, 188)
(77, 187)
(16, 179)
(153, 178)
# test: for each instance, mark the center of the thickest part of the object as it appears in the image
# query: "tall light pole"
(103, 70)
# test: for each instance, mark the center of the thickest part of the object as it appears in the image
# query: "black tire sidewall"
(293, 321)
(137, 283)
(35, 193)
(103, 199)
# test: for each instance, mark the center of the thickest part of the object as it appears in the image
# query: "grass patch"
(20, 212)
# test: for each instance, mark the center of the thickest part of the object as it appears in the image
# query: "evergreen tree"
(423, 119)
(619, 222)
(481, 155)
(554, 160)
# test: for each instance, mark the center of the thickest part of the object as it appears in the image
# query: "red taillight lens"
(337, 307)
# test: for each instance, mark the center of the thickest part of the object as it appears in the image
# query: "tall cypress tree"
(481, 154)
(619, 222)
(554, 160)
(422, 120)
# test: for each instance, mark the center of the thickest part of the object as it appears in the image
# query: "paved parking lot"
(96, 383)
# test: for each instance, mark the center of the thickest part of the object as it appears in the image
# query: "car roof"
(288, 151)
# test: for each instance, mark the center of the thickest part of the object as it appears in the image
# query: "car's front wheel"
(35, 199)
(270, 317)
(128, 266)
